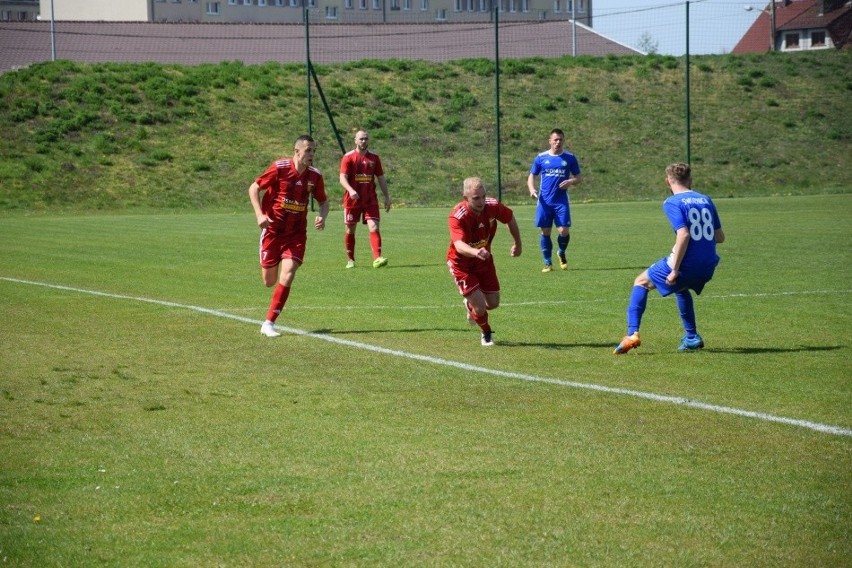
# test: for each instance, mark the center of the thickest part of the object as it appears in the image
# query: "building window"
(347, 4)
(362, 4)
(261, 2)
(232, 2)
(424, 5)
(246, 2)
(569, 6)
(555, 6)
(818, 39)
(377, 4)
(294, 3)
(394, 5)
(791, 41)
(457, 5)
(213, 9)
(331, 12)
(441, 15)
(525, 5)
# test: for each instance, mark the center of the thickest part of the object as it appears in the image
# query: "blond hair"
(680, 173)
(472, 183)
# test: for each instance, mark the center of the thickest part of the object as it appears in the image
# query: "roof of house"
(812, 17)
(789, 15)
(24, 43)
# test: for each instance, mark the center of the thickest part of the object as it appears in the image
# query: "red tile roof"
(790, 15)
(813, 18)
(24, 43)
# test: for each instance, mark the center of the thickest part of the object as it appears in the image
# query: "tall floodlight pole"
(308, 64)
(52, 34)
(771, 25)
(308, 75)
(497, 96)
(574, 28)
(688, 149)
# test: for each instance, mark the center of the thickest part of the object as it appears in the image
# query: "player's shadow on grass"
(708, 350)
(555, 346)
(392, 266)
(757, 350)
(327, 331)
(605, 268)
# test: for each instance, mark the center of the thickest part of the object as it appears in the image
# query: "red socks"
(481, 321)
(279, 298)
(349, 244)
(376, 244)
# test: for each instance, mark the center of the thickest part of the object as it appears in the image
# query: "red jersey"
(361, 171)
(287, 195)
(475, 230)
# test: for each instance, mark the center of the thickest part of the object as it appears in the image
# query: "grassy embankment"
(130, 136)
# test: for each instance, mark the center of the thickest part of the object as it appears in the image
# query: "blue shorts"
(692, 280)
(548, 215)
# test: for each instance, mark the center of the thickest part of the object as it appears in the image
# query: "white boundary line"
(816, 426)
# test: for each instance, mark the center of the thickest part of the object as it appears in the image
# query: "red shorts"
(483, 278)
(274, 248)
(352, 215)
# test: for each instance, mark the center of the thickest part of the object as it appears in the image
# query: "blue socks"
(562, 243)
(546, 248)
(638, 302)
(687, 312)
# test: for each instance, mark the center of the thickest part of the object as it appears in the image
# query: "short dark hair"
(305, 138)
(557, 131)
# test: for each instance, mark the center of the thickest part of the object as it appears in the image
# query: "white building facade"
(292, 11)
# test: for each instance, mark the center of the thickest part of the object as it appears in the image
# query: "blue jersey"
(697, 213)
(553, 171)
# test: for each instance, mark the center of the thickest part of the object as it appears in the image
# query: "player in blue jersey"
(558, 170)
(690, 265)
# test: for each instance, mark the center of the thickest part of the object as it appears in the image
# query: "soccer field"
(144, 421)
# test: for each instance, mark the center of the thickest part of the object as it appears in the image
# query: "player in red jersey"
(282, 215)
(472, 226)
(360, 169)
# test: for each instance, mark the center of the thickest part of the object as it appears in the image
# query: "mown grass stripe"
(815, 426)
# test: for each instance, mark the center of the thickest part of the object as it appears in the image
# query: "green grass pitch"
(144, 421)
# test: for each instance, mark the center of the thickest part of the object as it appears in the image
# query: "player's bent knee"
(644, 280)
